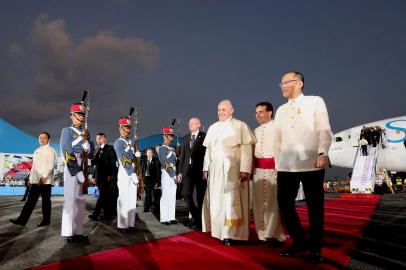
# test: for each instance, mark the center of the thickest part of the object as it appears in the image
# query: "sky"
(178, 59)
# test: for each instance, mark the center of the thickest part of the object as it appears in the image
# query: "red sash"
(265, 163)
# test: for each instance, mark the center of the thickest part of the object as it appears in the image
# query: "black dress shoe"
(68, 239)
(42, 224)
(106, 218)
(175, 221)
(274, 243)
(132, 229)
(166, 223)
(191, 223)
(80, 238)
(294, 248)
(16, 222)
(123, 230)
(228, 242)
(93, 217)
(316, 257)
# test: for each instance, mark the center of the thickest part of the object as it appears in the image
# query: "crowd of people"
(289, 148)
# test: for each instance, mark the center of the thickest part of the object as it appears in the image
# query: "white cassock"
(74, 204)
(264, 187)
(226, 203)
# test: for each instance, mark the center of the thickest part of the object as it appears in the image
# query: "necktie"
(192, 141)
(148, 163)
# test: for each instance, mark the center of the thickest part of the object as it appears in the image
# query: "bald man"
(191, 171)
(227, 165)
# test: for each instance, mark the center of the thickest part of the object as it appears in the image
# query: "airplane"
(390, 153)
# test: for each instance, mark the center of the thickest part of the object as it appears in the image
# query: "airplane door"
(355, 133)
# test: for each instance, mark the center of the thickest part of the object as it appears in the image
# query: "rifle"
(137, 163)
(84, 154)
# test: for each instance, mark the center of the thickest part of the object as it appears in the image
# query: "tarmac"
(382, 246)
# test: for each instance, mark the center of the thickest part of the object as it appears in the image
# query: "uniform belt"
(265, 163)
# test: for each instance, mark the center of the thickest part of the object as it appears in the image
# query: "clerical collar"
(194, 133)
(297, 99)
(267, 123)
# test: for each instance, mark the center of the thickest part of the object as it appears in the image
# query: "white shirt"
(264, 135)
(302, 132)
(43, 165)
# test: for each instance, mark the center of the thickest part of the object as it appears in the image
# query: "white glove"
(81, 177)
(134, 178)
(86, 146)
(137, 154)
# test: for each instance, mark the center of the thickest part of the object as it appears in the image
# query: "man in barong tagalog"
(227, 165)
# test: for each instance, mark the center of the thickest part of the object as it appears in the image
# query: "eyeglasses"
(81, 114)
(286, 82)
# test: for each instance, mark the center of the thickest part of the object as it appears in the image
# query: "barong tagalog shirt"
(43, 164)
(306, 130)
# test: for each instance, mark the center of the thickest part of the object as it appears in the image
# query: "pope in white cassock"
(227, 165)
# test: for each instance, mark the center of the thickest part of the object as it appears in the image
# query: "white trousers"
(126, 201)
(168, 198)
(73, 212)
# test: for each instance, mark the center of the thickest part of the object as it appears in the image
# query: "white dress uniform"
(127, 182)
(73, 212)
(167, 157)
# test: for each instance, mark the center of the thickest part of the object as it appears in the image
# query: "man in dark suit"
(151, 171)
(106, 173)
(191, 170)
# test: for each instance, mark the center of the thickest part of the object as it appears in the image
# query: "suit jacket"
(154, 169)
(194, 155)
(105, 162)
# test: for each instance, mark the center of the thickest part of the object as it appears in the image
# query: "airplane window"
(339, 139)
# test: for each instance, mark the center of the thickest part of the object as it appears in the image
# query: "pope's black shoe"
(228, 242)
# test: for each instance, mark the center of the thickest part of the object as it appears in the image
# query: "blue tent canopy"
(14, 140)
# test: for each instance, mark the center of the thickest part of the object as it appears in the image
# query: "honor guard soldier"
(127, 179)
(167, 157)
(73, 143)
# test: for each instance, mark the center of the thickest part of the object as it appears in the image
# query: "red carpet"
(345, 220)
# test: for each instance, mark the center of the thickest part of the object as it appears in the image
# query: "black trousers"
(104, 201)
(149, 192)
(190, 182)
(27, 189)
(33, 196)
(288, 186)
